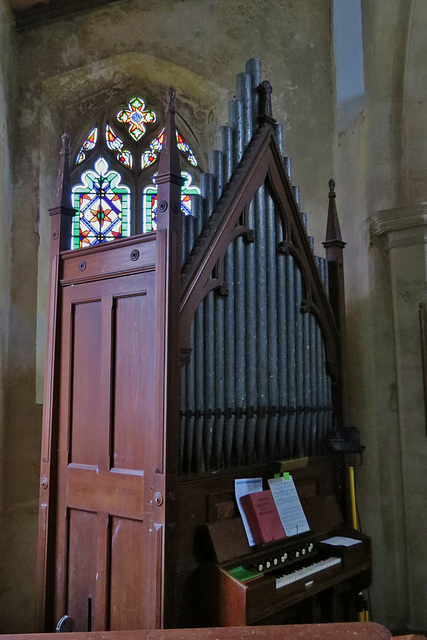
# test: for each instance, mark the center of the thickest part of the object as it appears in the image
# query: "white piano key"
(305, 572)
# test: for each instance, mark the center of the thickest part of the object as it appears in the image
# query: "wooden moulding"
(337, 631)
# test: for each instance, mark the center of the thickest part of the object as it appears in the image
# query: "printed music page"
(288, 505)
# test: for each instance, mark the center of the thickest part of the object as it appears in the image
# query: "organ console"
(179, 360)
(300, 578)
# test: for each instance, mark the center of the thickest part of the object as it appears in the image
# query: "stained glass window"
(149, 201)
(185, 148)
(114, 142)
(113, 193)
(151, 155)
(87, 145)
(102, 204)
(136, 117)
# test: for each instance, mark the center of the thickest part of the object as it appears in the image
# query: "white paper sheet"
(243, 486)
(288, 505)
(341, 541)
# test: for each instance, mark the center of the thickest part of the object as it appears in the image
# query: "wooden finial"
(170, 100)
(63, 185)
(265, 110)
(333, 230)
(65, 139)
(169, 167)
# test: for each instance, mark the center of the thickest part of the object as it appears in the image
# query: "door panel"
(81, 567)
(86, 381)
(106, 542)
(135, 398)
(128, 559)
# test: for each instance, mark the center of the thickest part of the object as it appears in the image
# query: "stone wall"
(6, 106)
(381, 165)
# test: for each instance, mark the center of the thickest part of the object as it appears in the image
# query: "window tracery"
(114, 190)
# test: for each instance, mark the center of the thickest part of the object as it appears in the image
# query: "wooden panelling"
(128, 256)
(117, 493)
(133, 401)
(81, 567)
(129, 597)
(107, 424)
(86, 391)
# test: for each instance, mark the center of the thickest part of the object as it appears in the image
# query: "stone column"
(403, 233)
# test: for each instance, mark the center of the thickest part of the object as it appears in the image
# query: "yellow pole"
(363, 614)
(352, 496)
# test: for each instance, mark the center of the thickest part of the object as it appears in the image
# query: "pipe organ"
(244, 364)
(256, 387)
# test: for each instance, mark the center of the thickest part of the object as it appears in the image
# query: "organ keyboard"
(305, 571)
(298, 579)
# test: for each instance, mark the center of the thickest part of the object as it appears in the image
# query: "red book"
(263, 517)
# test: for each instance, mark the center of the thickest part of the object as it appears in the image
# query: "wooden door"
(109, 531)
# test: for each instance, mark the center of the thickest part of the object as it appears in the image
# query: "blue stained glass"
(149, 201)
(87, 145)
(150, 156)
(103, 207)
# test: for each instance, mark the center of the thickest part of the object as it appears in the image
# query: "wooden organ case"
(178, 361)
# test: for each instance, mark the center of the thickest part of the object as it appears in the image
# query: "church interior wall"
(6, 106)
(71, 68)
(382, 211)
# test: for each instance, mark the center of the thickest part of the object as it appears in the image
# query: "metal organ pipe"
(189, 382)
(272, 371)
(225, 143)
(244, 95)
(236, 124)
(253, 68)
(198, 356)
(256, 387)
(207, 187)
(261, 323)
(299, 366)
(216, 166)
(288, 167)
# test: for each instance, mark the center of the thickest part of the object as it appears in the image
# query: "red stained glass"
(87, 145)
(116, 143)
(151, 155)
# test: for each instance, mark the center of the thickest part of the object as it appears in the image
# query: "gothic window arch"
(113, 174)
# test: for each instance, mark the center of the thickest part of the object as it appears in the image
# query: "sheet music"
(243, 486)
(341, 541)
(288, 505)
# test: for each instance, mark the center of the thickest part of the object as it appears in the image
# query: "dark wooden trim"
(169, 230)
(423, 337)
(334, 247)
(60, 215)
